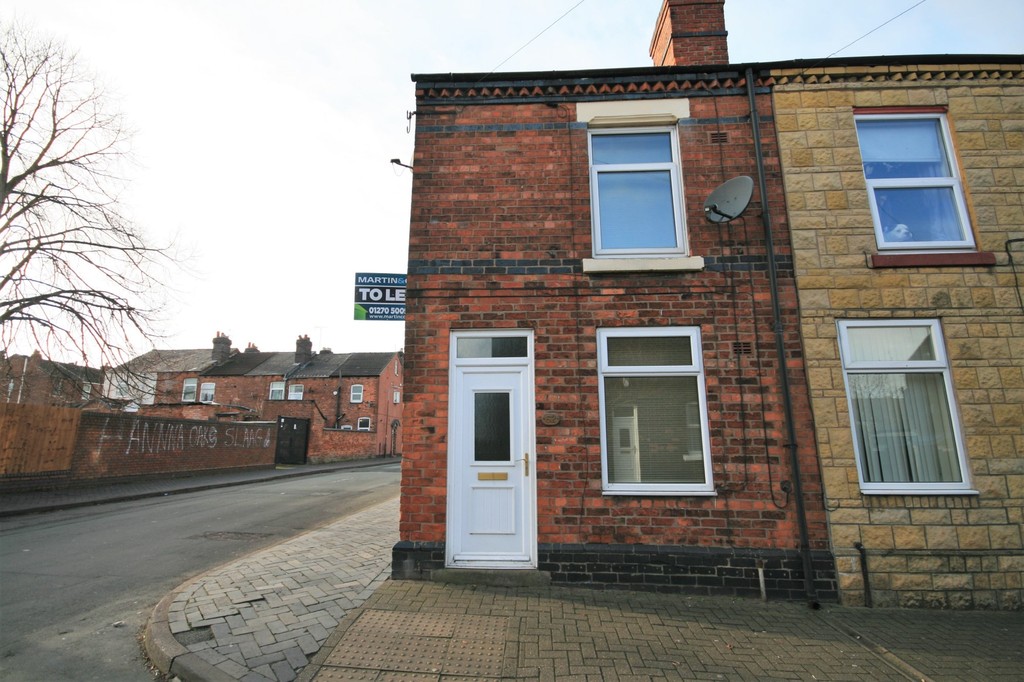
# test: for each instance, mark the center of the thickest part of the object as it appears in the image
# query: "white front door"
(491, 464)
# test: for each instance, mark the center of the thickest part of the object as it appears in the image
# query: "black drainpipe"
(864, 572)
(780, 349)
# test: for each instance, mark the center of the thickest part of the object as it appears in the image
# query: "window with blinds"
(654, 436)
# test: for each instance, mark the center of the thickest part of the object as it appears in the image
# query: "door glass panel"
(491, 347)
(492, 439)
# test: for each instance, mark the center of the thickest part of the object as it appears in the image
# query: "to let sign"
(380, 296)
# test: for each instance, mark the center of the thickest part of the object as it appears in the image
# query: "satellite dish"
(729, 200)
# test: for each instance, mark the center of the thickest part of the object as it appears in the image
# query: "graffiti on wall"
(153, 437)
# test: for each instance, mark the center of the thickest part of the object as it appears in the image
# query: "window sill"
(932, 260)
(672, 264)
(660, 493)
(915, 492)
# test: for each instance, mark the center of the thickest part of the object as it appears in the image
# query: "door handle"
(526, 464)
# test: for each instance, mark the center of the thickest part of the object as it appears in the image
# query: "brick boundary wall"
(110, 447)
(119, 446)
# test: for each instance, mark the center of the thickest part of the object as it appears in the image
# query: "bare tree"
(74, 271)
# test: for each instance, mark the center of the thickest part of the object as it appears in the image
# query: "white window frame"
(122, 388)
(681, 248)
(355, 394)
(189, 396)
(396, 397)
(952, 182)
(276, 390)
(363, 424)
(207, 391)
(939, 365)
(695, 369)
(296, 391)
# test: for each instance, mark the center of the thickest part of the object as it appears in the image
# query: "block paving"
(262, 617)
(412, 630)
(320, 608)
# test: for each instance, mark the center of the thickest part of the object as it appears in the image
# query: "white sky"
(265, 127)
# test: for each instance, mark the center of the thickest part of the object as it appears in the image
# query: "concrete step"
(491, 577)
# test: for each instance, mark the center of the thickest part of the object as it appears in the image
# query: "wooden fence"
(37, 439)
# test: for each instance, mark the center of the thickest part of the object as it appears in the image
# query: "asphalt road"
(77, 586)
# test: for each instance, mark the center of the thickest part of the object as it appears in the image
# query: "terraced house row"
(621, 372)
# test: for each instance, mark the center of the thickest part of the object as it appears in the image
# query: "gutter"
(722, 70)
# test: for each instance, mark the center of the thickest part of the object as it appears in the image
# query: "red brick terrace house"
(32, 380)
(601, 383)
(344, 404)
(139, 381)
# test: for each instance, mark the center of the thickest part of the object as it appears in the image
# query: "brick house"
(33, 380)
(603, 384)
(349, 404)
(904, 182)
(146, 379)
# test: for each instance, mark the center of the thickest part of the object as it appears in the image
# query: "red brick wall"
(690, 33)
(500, 221)
(326, 412)
(121, 445)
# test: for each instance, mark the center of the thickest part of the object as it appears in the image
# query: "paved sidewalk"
(319, 608)
(429, 631)
(261, 618)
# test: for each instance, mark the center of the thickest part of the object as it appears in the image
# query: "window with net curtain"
(277, 390)
(913, 182)
(206, 392)
(901, 407)
(653, 412)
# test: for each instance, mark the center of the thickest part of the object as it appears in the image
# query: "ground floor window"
(901, 404)
(654, 436)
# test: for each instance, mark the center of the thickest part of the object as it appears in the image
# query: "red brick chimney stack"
(690, 33)
(221, 348)
(303, 350)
